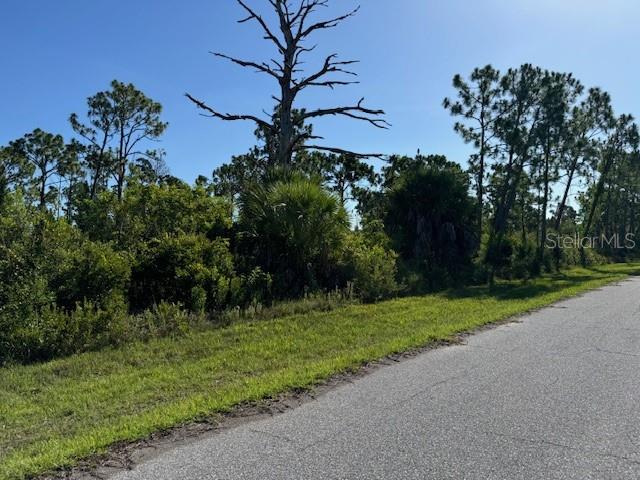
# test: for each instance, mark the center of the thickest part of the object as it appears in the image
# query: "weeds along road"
(555, 395)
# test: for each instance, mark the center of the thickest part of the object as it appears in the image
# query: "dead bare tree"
(290, 39)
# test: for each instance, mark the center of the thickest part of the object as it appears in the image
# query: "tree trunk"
(121, 167)
(481, 176)
(43, 190)
(565, 195)
(502, 214)
(286, 127)
(523, 224)
(545, 203)
(98, 172)
(120, 181)
(4, 190)
(594, 205)
(596, 198)
(94, 183)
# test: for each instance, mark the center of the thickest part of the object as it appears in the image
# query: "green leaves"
(430, 218)
(293, 228)
(43, 156)
(120, 121)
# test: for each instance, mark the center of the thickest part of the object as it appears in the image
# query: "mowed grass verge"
(53, 414)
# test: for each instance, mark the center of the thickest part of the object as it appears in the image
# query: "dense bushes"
(30, 245)
(430, 218)
(294, 229)
(53, 332)
(425, 209)
(64, 290)
(187, 269)
(167, 257)
(147, 212)
(50, 332)
(372, 267)
(94, 271)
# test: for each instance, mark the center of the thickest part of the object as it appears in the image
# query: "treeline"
(99, 244)
(551, 158)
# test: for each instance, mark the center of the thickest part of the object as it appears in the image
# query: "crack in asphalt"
(561, 445)
(272, 435)
(611, 352)
(431, 387)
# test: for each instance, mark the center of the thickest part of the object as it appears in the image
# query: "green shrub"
(524, 263)
(183, 269)
(294, 230)
(372, 268)
(573, 257)
(198, 299)
(499, 257)
(153, 211)
(251, 288)
(164, 320)
(52, 332)
(312, 302)
(430, 217)
(93, 272)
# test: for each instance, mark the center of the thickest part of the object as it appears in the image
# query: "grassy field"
(55, 413)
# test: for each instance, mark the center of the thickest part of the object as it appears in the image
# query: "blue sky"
(56, 53)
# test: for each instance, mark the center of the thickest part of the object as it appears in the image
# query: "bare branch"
(278, 65)
(301, 50)
(229, 117)
(264, 68)
(306, 136)
(268, 34)
(305, 32)
(282, 9)
(357, 112)
(298, 140)
(306, 8)
(331, 83)
(340, 151)
(330, 66)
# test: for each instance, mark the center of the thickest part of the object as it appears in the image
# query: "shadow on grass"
(634, 273)
(525, 289)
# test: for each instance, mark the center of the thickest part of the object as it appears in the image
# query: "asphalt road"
(554, 396)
